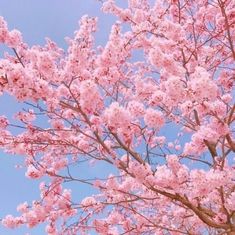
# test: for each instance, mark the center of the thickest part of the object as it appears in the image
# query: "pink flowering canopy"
(163, 119)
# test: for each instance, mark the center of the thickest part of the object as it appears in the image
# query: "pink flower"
(202, 85)
(90, 99)
(3, 30)
(88, 202)
(117, 116)
(3, 122)
(153, 118)
(33, 172)
(175, 88)
(136, 108)
(231, 201)
(26, 116)
(23, 207)
(12, 222)
(14, 38)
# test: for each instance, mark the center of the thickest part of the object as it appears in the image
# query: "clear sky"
(36, 20)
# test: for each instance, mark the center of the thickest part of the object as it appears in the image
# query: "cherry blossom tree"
(103, 104)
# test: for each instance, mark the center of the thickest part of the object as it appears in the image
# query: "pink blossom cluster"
(11, 38)
(153, 118)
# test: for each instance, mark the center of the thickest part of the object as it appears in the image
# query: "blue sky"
(37, 20)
